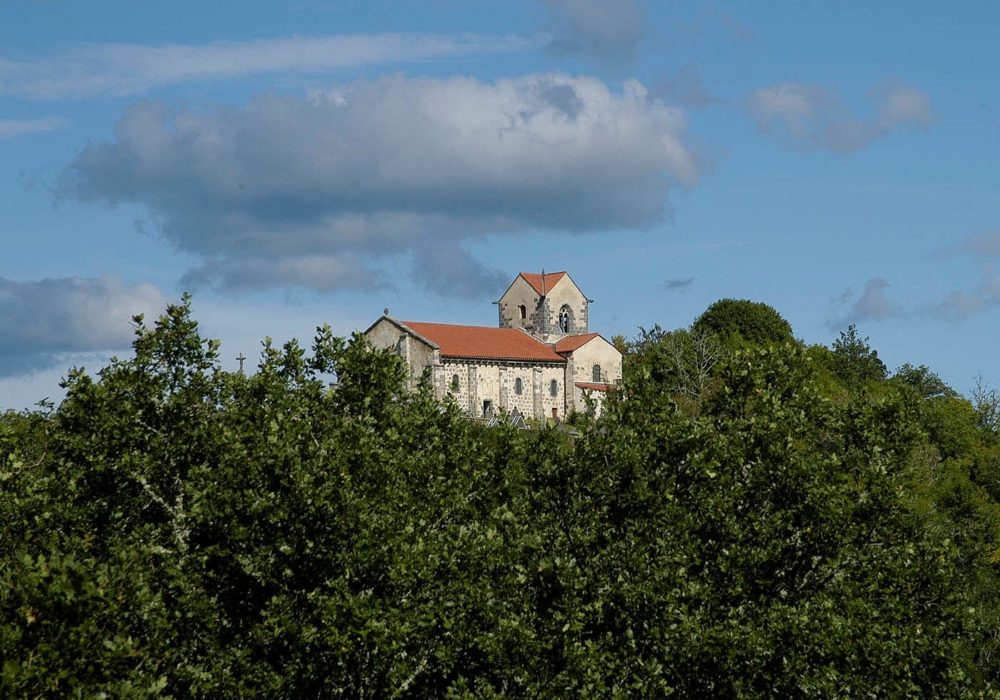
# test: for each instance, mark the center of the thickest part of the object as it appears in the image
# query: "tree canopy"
(855, 362)
(741, 320)
(175, 530)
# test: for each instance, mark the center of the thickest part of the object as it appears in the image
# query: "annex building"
(541, 360)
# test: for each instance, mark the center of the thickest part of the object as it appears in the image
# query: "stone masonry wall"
(562, 294)
(417, 354)
(597, 352)
(496, 382)
(520, 292)
(543, 313)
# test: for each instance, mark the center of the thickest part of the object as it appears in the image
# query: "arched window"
(523, 310)
(553, 388)
(518, 386)
(454, 382)
(564, 318)
(597, 373)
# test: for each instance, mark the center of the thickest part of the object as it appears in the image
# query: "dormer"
(548, 305)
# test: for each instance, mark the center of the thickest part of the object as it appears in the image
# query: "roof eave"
(525, 360)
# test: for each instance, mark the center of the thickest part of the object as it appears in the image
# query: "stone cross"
(241, 358)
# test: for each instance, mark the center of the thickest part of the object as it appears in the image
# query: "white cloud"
(121, 69)
(607, 31)
(43, 322)
(812, 117)
(9, 128)
(309, 192)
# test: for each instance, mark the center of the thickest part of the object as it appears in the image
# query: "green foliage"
(176, 530)
(986, 401)
(739, 321)
(922, 381)
(73, 622)
(793, 556)
(621, 343)
(854, 361)
(681, 363)
(953, 488)
(951, 425)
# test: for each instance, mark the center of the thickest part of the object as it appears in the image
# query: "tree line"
(750, 517)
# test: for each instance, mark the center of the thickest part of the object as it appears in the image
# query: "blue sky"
(307, 162)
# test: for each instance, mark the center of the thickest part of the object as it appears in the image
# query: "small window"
(597, 373)
(553, 388)
(564, 319)
(454, 382)
(523, 310)
(518, 386)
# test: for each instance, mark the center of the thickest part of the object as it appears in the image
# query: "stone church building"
(541, 360)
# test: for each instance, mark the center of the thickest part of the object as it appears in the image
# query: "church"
(541, 360)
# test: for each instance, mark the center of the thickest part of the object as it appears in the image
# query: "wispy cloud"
(90, 70)
(609, 32)
(812, 117)
(956, 306)
(873, 304)
(9, 128)
(44, 321)
(714, 21)
(677, 283)
(984, 247)
(309, 192)
(686, 88)
(983, 294)
(960, 304)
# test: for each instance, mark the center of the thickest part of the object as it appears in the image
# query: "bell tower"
(549, 305)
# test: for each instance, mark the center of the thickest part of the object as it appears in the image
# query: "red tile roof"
(594, 386)
(480, 342)
(573, 342)
(542, 285)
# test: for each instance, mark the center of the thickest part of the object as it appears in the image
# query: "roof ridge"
(577, 341)
(537, 279)
(485, 342)
(525, 331)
